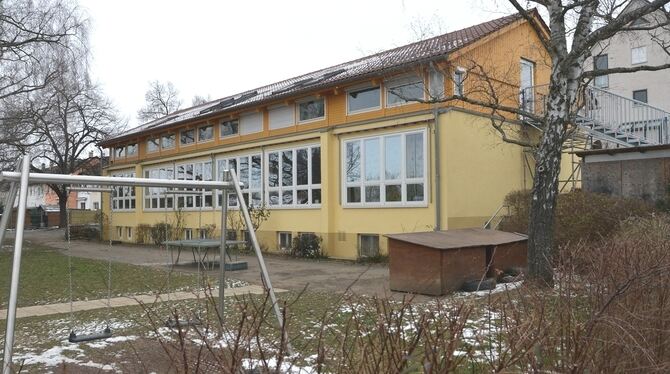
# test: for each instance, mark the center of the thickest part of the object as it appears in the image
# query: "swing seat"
(172, 324)
(105, 334)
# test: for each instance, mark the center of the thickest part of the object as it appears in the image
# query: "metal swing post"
(16, 266)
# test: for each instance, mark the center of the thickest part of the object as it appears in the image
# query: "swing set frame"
(19, 181)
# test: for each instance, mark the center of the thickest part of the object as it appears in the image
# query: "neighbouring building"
(344, 152)
(635, 48)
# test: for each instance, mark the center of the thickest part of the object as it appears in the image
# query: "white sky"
(219, 48)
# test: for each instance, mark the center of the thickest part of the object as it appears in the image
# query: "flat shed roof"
(460, 238)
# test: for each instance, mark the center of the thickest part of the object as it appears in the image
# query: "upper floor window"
(229, 128)
(123, 197)
(249, 172)
(388, 170)
(168, 141)
(187, 137)
(119, 152)
(251, 122)
(294, 177)
(638, 55)
(281, 116)
(404, 90)
(601, 62)
(641, 96)
(459, 82)
(363, 99)
(131, 149)
(155, 197)
(205, 133)
(153, 145)
(311, 110)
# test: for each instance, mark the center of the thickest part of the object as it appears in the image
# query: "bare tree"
(199, 100)
(161, 99)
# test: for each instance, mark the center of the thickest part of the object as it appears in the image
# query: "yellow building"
(347, 152)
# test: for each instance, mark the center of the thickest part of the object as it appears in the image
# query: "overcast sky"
(218, 48)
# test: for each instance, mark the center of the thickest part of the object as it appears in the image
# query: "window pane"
(273, 169)
(287, 197)
(229, 128)
(287, 168)
(274, 197)
(303, 197)
(372, 161)
(311, 109)
(640, 95)
(244, 171)
(153, 145)
(414, 155)
(405, 92)
(392, 157)
(363, 99)
(255, 172)
(168, 140)
(316, 165)
(131, 149)
(393, 192)
(205, 133)
(302, 173)
(353, 161)
(187, 136)
(353, 194)
(415, 192)
(316, 196)
(372, 194)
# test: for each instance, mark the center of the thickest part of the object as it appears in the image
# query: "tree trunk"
(62, 208)
(545, 189)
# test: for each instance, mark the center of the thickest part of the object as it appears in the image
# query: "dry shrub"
(580, 215)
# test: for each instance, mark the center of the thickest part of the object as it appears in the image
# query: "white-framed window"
(311, 110)
(601, 62)
(436, 84)
(153, 145)
(281, 116)
(403, 90)
(205, 133)
(229, 128)
(385, 170)
(187, 137)
(123, 197)
(188, 234)
(119, 152)
(168, 141)
(363, 99)
(638, 55)
(251, 122)
(82, 205)
(459, 81)
(131, 149)
(368, 245)
(249, 169)
(526, 85)
(96, 205)
(154, 197)
(119, 232)
(195, 171)
(285, 241)
(294, 177)
(129, 232)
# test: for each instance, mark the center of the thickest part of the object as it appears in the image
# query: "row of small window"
(368, 244)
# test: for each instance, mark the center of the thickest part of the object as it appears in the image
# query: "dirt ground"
(288, 273)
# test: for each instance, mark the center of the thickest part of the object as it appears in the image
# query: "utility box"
(439, 262)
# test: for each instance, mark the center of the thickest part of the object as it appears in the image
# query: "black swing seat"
(105, 334)
(171, 323)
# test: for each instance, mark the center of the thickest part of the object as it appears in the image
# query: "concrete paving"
(82, 305)
(285, 272)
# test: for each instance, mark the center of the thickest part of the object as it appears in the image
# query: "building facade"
(636, 48)
(347, 153)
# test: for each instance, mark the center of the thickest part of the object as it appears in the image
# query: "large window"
(168, 141)
(363, 99)
(198, 171)
(205, 133)
(294, 177)
(281, 116)
(251, 122)
(123, 197)
(229, 128)
(119, 152)
(187, 137)
(404, 90)
(153, 145)
(311, 110)
(601, 62)
(154, 197)
(249, 171)
(131, 149)
(387, 170)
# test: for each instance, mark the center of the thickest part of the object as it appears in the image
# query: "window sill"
(383, 206)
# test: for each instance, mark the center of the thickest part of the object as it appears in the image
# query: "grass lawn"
(44, 278)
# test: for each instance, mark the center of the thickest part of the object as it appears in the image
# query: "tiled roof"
(393, 59)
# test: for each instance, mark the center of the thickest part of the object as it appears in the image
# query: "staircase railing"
(497, 217)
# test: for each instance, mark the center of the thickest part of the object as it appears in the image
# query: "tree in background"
(161, 99)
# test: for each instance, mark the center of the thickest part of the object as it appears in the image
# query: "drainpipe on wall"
(438, 196)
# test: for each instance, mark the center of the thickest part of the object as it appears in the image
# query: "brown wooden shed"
(438, 262)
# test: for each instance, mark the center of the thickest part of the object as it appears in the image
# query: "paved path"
(78, 306)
